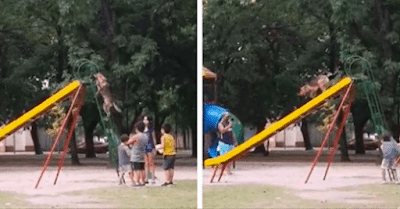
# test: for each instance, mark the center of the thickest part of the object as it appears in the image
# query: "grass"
(257, 196)
(11, 200)
(181, 195)
(267, 196)
(384, 195)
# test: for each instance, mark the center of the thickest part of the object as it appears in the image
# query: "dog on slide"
(103, 88)
(315, 86)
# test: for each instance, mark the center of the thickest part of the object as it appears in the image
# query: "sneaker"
(146, 182)
(165, 184)
(170, 183)
(153, 182)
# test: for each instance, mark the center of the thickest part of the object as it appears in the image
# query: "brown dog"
(103, 88)
(314, 87)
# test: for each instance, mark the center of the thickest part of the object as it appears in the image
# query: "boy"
(124, 154)
(389, 152)
(168, 147)
(139, 142)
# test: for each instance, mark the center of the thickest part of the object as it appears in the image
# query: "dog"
(315, 86)
(103, 88)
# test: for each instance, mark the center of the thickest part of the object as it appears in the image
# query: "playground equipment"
(77, 91)
(39, 109)
(212, 113)
(85, 69)
(344, 88)
(368, 85)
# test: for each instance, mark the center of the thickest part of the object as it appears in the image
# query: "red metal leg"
(222, 170)
(58, 137)
(330, 129)
(337, 138)
(71, 130)
(214, 173)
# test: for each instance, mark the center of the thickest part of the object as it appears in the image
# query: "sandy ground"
(20, 172)
(290, 168)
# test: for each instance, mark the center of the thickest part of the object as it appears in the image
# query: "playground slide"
(279, 125)
(39, 109)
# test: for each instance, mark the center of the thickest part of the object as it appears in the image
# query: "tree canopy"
(264, 50)
(146, 49)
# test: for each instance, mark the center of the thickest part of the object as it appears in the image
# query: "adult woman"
(150, 151)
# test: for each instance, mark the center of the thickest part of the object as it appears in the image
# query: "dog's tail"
(117, 108)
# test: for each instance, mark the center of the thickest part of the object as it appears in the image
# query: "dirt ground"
(290, 167)
(20, 172)
(286, 168)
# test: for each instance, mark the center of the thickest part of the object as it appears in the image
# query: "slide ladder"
(369, 88)
(89, 69)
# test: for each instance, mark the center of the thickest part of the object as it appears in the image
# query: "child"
(389, 152)
(227, 141)
(168, 148)
(139, 142)
(124, 154)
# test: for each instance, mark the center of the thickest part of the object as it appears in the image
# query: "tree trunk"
(89, 140)
(358, 128)
(306, 135)
(108, 24)
(116, 118)
(90, 118)
(344, 154)
(361, 115)
(74, 153)
(184, 137)
(158, 121)
(62, 55)
(35, 138)
(261, 148)
(193, 128)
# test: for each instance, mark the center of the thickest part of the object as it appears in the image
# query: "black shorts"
(137, 166)
(169, 162)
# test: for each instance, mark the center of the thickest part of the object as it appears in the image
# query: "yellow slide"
(39, 109)
(279, 125)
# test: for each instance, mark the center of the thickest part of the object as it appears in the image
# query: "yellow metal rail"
(39, 109)
(279, 125)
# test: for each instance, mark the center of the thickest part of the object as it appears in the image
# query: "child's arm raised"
(133, 139)
(223, 129)
(127, 151)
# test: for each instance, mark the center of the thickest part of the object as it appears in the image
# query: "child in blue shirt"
(124, 163)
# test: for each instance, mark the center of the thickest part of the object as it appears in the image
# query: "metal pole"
(75, 116)
(330, 129)
(337, 139)
(60, 131)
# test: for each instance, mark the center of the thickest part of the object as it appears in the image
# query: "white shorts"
(125, 168)
(388, 163)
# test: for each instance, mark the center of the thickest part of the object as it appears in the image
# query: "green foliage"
(146, 49)
(56, 116)
(264, 51)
